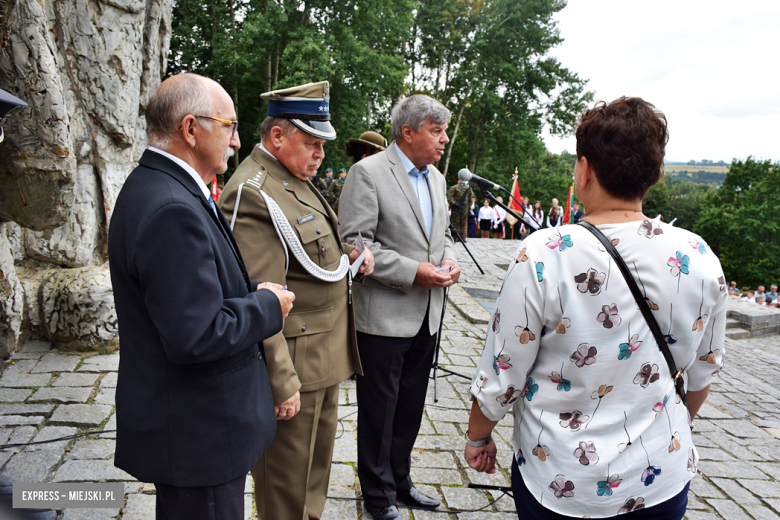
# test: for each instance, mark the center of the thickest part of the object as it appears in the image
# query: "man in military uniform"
(334, 190)
(459, 197)
(317, 348)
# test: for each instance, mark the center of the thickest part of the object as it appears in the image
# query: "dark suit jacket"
(193, 403)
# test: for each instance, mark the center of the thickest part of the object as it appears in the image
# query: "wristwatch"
(478, 444)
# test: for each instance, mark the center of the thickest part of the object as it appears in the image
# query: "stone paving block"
(695, 503)
(713, 454)
(139, 507)
(49, 433)
(340, 509)
(13, 395)
(437, 414)
(405, 514)
(731, 470)
(93, 449)
(342, 475)
(106, 396)
(109, 380)
(80, 414)
(762, 488)
(464, 499)
(26, 409)
(775, 503)
(729, 444)
(728, 509)
(710, 412)
(436, 476)
(56, 363)
(16, 375)
(103, 513)
(761, 512)
(743, 429)
(768, 468)
(61, 394)
(90, 471)
(345, 448)
(427, 459)
(19, 420)
(736, 492)
(445, 428)
(104, 363)
(33, 466)
(426, 428)
(703, 425)
(70, 379)
(4, 456)
(439, 442)
(487, 516)
(700, 515)
(110, 427)
(34, 347)
(704, 489)
(460, 361)
(21, 435)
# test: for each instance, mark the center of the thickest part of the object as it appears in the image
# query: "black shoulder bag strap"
(641, 302)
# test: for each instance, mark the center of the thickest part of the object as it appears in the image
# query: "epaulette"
(259, 178)
(256, 183)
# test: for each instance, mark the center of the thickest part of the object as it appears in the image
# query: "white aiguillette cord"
(288, 238)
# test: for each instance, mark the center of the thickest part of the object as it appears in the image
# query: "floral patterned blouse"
(598, 427)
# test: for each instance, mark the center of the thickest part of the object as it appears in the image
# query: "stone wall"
(86, 68)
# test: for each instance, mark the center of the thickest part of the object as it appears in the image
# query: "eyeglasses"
(223, 121)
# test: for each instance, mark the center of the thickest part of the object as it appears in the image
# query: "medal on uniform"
(323, 250)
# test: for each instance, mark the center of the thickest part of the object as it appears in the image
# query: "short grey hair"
(415, 111)
(172, 102)
(269, 122)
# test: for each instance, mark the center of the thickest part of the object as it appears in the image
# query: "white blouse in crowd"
(598, 428)
(555, 222)
(486, 213)
(499, 215)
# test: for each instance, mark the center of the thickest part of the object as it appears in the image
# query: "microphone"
(465, 175)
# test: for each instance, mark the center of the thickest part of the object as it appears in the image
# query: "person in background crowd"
(366, 145)
(761, 291)
(193, 405)
(397, 200)
(733, 291)
(759, 300)
(555, 216)
(576, 215)
(334, 190)
(473, 218)
(751, 296)
(768, 301)
(270, 195)
(498, 219)
(458, 197)
(570, 453)
(773, 292)
(538, 213)
(485, 219)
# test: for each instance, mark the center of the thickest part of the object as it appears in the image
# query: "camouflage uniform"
(459, 206)
(334, 192)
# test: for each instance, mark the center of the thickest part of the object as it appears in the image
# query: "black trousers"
(391, 399)
(222, 502)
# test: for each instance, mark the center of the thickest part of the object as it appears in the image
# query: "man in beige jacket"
(269, 197)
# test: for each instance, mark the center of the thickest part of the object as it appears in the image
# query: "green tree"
(741, 223)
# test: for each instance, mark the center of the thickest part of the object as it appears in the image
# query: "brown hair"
(624, 143)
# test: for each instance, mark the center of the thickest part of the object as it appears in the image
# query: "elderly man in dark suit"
(193, 404)
(397, 200)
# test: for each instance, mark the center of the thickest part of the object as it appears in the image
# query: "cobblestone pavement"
(46, 394)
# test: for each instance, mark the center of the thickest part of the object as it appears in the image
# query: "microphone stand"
(436, 366)
(460, 239)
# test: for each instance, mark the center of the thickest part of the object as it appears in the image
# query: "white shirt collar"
(263, 148)
(189, 169)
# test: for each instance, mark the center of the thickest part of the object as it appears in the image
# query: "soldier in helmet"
(334, 190)
(459, 197)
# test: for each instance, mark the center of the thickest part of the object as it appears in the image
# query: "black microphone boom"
(465, 175)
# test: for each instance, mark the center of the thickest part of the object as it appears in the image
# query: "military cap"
(306, 106)
(329, 170)
(373, 139)
(342, 170)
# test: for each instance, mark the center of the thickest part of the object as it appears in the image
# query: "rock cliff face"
(87, 69)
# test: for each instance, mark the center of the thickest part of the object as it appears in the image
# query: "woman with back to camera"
(599, 428)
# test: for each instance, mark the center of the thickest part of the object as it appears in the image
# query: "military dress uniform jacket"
(317, 347)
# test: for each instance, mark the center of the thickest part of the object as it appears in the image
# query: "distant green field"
(680, 168)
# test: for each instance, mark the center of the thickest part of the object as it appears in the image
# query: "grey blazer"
(378, 200)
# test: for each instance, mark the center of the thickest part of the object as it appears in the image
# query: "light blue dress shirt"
(419, 180)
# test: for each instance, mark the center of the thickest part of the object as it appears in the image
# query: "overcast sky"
(713, 67)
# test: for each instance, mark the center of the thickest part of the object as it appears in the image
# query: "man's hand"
(455, 273)
(368, 262)
(481, 459)
(288, 409)
(285, 297)
(427, 278)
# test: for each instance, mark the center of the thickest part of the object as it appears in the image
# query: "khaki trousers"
(291, 478)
